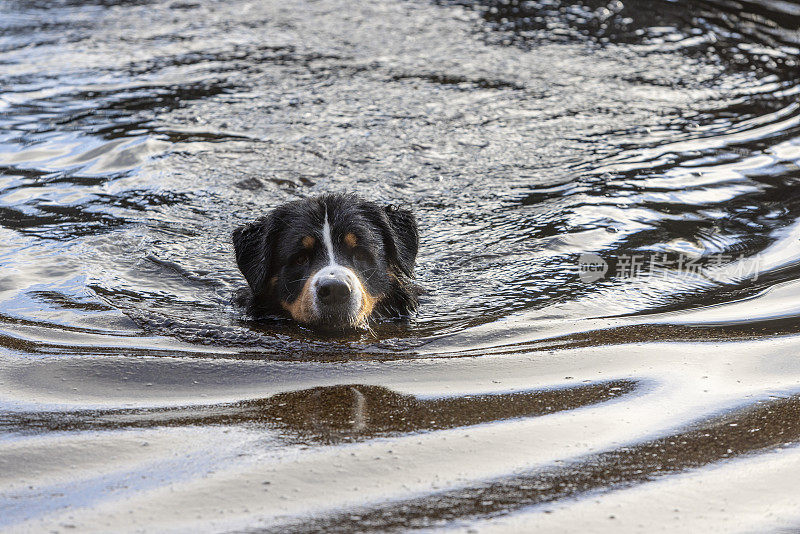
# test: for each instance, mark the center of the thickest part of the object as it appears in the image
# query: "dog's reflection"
(334, 414)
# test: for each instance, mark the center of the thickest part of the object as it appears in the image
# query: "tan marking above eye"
(350, 240)
(308, 242)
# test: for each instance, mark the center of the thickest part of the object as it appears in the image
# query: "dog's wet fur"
(333, 262)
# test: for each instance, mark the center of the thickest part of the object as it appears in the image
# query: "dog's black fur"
(286, 258)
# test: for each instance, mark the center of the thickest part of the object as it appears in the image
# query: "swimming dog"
(333, 261)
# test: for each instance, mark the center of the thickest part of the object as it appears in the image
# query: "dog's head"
(329, 261)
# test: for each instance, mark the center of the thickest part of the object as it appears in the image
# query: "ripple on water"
(135, 135)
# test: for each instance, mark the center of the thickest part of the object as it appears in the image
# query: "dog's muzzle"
(337, 295)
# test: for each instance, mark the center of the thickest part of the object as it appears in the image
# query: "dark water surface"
(663, 136)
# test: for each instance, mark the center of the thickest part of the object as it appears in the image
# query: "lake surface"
(658, 141)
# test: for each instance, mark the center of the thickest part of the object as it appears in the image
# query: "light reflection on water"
(135, 135)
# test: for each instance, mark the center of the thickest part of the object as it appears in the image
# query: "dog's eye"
(362, 256)
(301, 259)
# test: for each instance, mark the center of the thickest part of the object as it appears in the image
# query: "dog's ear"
(406, 237)
(253, 244)
(400, 236)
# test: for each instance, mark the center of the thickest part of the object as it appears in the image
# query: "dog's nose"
(333, 290)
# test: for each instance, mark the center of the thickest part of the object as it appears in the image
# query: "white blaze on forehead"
(326, 238)
(333, 269)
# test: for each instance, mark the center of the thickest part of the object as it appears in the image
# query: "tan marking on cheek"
(368, 303)
(308, 242)
(272, 282)
(350, 240)
(302, 309)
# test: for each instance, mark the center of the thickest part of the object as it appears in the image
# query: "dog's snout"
(337, 295)
(333, 290)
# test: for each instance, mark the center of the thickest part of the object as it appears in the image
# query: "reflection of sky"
(136, 135)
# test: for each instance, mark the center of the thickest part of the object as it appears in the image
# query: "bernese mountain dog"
(334, 261)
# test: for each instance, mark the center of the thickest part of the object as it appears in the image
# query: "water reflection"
(744, 35)
(134, 135)
(761, 426)
(332, 414)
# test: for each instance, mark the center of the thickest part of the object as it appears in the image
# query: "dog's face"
(330, 261)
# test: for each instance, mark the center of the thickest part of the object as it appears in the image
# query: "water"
(135, 394)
